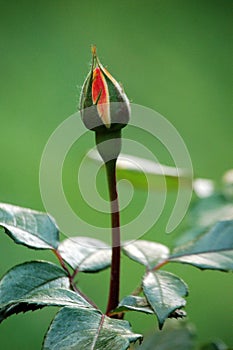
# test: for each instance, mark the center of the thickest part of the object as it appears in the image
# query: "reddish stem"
(161, 264)
(77, 290)
(71, 279)
(113, 299)
(61, 261)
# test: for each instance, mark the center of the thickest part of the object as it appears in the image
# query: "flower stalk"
(105, 109)
(114, 288)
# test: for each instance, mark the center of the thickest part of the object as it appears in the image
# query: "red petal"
(100, 96)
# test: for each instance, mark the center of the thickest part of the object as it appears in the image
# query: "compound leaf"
(31, 228)
(146, 253)
(85, 254)
(164, 292)
(211, 250)
(82, 329)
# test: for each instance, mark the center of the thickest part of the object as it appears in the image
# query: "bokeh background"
(171, 55)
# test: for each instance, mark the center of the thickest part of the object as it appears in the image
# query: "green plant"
(80, 324)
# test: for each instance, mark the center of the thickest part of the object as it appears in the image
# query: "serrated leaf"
(211, 250)
(164, 292)
(85, 254)
(133, 303)
(82, 329)
(58, 296)
(140, 171)
(177, 337)
(31, 228)
(44, 297)
(24, 280)
(178, 313)
(137, 303)
(146, 253)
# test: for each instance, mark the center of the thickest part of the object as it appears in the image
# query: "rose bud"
(104, 106)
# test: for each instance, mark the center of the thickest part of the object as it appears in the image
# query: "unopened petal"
(100, 96)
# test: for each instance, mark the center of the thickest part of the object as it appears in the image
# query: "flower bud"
(104, 105)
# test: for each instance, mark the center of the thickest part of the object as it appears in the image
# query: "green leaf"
(134, 303)
(217, 345)
(211, 250)
(42, 298)
(177, 337)
(145, 252)
(164, 292)
(28, 279)
(141, 172)
(85, 254)
(207, 211)
(82, 329)
(29, 227)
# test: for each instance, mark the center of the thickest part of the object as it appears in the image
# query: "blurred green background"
(171, 55)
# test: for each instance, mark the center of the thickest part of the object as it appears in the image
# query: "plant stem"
(61, 261)
(113, 299)
(77, 290)
(71, 279)
(161, 264)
